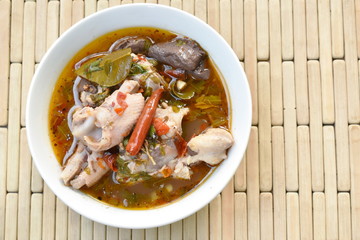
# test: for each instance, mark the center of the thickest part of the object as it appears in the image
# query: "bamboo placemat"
(300, 178)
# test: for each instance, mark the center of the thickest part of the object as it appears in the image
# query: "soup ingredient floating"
(130, 102)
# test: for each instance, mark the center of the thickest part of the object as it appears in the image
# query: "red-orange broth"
(153, 192)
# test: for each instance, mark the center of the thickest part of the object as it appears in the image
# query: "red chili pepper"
(110, 160)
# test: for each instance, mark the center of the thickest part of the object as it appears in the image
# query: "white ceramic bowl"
(86, 31)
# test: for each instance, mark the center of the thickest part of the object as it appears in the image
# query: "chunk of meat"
(74, 163)
(210, 146)
(201, 72)
(171, 119)
(137, 44)
(180, 53)
(94, 171)
(102, 127)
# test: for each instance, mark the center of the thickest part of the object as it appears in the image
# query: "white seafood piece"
(172, 119)
(101, 128)
(74, 163)
(95, 170)
(210, 146)
(182, 170)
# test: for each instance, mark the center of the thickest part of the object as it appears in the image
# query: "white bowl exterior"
(86, 31)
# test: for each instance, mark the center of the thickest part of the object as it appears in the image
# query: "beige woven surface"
(300, 178)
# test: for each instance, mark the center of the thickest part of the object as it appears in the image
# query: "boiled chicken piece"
(103, 127)
(95, 170)
(210, 146)
(182, 170)
(74, 163)
(172, 119)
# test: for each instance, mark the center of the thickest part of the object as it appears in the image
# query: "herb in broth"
(155, 175)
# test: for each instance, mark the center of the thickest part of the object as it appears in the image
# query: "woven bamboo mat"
(300, 178)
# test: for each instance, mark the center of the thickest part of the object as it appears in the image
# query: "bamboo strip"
(138, 234)
(312, 31)
(202, 223)
(3, 153)
(291, 162)
(41, 15)
(344, 216)
(28, 54)
(200, 9)
(317, 163)
(77, 11)
(73, 225)
(237, 28)
(213, 13)
(262, 27)
(112, 233)
(48, 224)
(279, 183)
(164, 2)
(293, 223)
(266, 216)
(125, 233)
(351, 62)
(337, 34)
(301, 85)
(325, 62)
(36, 216)
(151, 233)
(250, 54)
(240, 176)
(253, 211)
(11, 213)
(36, 180)
(287, 30)
(225, 20)
(52, 32)
(12, 171)
(99, 231)
(189, 6)
(90, 7)
(126, 1)
(227, 210)
(305, 192)
(330, 183)
(24, 188)
(102, 4)
(4, 59)
(113, 3)
(176, 4)
(354, 138)
(215, 218)
(189, 227)
(265, 163)
(357, 12)
(61, 220)
(16, 34)
(139, 1)
(177, 230)
(65, 15)
(341, 127)
(240, 216)
(275, 63)
(87, 227)
(319, 215)
(164, 232)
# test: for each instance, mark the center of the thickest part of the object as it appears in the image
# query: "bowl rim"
(181, 213)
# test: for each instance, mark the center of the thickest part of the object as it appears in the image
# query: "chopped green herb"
(136, 69)
(204, 102)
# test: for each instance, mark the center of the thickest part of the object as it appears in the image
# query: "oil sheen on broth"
(154, 191)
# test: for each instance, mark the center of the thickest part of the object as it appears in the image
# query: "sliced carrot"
(161, 128)
(110, 160)
(142, 126)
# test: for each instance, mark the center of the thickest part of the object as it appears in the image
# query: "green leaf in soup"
(108, 70)
(205, 102)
